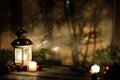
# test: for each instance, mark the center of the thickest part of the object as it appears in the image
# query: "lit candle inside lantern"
(32, 66)
(20, 56)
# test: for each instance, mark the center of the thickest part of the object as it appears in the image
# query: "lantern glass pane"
(27, 57)
(18, 55)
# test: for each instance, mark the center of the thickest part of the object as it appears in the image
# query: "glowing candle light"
(32, 66)
(20, 56)
(95, 69)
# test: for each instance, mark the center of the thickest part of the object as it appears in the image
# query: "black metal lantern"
(22, 48)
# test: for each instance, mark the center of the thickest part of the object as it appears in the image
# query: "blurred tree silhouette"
(78, 15)
(82, 18)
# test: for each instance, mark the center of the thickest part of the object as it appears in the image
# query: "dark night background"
(66, 32)
(38, 16)
(10, 15)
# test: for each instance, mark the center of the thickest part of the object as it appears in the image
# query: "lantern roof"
(21, 40)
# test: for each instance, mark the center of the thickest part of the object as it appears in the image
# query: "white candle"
(32, 66)
(95, 68)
